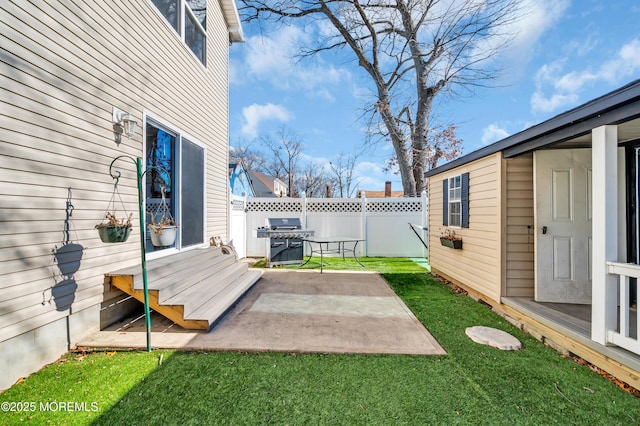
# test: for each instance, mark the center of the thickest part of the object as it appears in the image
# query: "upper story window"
(189, 19)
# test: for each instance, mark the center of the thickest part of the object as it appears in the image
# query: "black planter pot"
(454, 244)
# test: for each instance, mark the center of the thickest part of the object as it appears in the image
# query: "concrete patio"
(294, 311)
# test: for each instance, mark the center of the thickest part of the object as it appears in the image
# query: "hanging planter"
(163, 236)
(115, 231)
(163, 230)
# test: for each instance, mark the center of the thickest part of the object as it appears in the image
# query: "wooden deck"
(193, 288)
(567, 328)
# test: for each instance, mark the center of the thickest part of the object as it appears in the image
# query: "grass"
(473, 384)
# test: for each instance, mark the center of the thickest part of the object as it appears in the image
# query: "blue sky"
(566, 53)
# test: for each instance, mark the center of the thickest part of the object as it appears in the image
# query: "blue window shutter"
(465, 200)
(445, 202)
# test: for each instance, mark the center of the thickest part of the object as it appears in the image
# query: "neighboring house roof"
(619, 106)
(381, 194)
(239, 180)
(264, 186)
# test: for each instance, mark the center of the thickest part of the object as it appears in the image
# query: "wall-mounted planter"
(454, 244)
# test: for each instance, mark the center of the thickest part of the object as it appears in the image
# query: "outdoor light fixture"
(125, 121)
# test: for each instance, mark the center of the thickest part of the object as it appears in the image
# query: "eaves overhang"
(232, 18)
(615, 107)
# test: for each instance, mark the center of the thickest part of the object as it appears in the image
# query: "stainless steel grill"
(286, 239)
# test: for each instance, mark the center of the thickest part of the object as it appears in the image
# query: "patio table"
(324, 247)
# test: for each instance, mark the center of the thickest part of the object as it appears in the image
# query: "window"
(170, 9)
(455, 201)
(455, 205)
(189, 19)
(177, 165)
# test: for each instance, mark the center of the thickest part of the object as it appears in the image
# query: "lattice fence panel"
(394, 206)
(334, 207)
(277, 206)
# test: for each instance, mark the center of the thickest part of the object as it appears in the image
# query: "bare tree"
(311, 180)
(342, 170)
(412, 50)
(442, 145)
(251, 158)
(286, 151)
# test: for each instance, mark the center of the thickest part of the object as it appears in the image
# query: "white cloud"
(540, 103)
(539, 16)
(370, 176)
(273, 59)
(535, 17)
(255, 114)
(583, 46)
(492, 133)
(556, 89)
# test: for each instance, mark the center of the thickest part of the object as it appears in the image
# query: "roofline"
(232, 18)
(613, 108)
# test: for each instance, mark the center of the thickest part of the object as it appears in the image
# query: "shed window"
(455, 200)
(455, 206)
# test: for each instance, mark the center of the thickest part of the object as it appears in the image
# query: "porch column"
(604, 224)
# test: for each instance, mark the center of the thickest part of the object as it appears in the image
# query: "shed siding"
(65, 65)
(520, 232)
(477, 265)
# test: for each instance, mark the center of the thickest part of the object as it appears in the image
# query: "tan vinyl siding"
(65, 65)
(520, 235)
(477, 265)
(217, 185)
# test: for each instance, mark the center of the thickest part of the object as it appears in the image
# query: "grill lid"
(284, 223)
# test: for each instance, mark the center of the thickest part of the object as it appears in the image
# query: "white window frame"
(454, 197)
(177, 183)
(184, 10)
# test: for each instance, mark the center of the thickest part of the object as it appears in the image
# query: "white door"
(563, 225)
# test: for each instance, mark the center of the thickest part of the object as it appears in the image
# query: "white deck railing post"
(604, 151)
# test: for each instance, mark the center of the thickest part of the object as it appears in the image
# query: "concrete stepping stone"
(493, 337)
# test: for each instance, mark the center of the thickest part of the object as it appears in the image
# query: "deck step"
(172, 285)
(174, 270)
(199, 293)
(213, 310)
(170, 263)
(193, 289)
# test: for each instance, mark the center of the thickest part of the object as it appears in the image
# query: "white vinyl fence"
(382, 222)
(238, 225)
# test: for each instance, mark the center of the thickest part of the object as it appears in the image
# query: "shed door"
(563, 225)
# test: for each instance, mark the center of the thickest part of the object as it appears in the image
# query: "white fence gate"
(382, 222)
(238, 225)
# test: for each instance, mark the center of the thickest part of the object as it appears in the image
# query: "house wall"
(478, 265)
(64, 66)
(519, 233)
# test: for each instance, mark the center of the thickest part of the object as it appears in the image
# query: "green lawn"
(473, 384)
